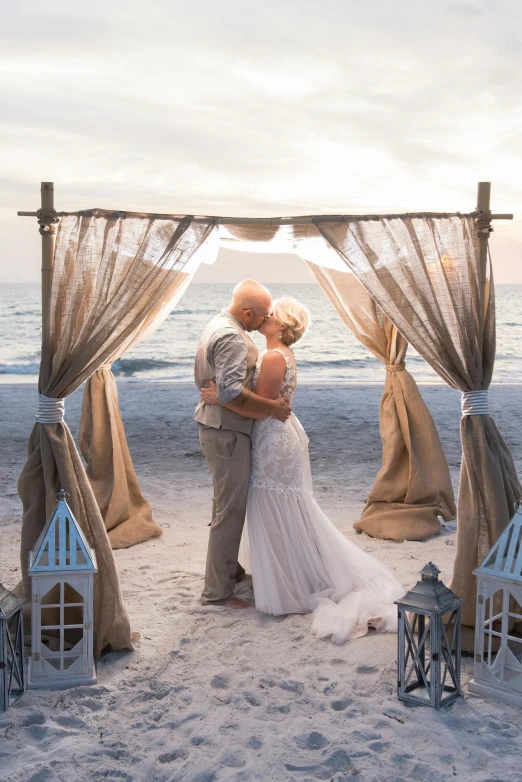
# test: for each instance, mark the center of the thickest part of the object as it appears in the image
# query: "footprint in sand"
(220, 682)
(313, 740)
(44, 774)
(71, 722)
(204, 776)
(292, 686)
(33, 719)
(233, 761)
(199, 741)
(170, 757)
(366, 669)
(341, 705)
(113, 774)
(278, 709)
(91, 704)
(338, 762)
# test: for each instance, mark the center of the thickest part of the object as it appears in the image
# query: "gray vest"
(216, 416)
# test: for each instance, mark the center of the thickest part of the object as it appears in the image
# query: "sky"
(238, 108)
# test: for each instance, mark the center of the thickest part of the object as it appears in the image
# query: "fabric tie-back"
(109, 273)
(424, 274)
(125, 511)
(413, 487)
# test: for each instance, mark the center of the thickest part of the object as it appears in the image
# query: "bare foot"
(236, 602)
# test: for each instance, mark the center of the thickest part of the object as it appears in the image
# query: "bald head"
(251, 295)
(249, 301)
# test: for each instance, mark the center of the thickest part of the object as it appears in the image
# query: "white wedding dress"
(298, 559)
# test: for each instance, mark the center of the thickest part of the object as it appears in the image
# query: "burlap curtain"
(124, 509)
(424, 274)
(413, 487)
(110, 272)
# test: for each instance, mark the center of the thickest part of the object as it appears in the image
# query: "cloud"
(272, 108)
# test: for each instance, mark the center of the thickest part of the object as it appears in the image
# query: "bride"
(299, 561)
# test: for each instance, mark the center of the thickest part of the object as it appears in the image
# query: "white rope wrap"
(50, 410)
(475, 403)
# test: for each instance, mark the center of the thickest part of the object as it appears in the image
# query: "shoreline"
(302, 383)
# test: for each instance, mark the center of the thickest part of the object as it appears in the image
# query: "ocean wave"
(30, 368)
(353, 363)
(128, 366)
(197, 312)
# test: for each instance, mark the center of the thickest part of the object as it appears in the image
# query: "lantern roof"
(430, 594)
(505, 557)
(62, 546)
(9, 603)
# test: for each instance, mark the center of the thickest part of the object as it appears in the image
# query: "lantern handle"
(61, 496)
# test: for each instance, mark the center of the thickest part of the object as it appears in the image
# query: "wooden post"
(47, 229)
(484, 228)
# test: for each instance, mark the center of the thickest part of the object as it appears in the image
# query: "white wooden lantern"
(498, 651)
(62, 566)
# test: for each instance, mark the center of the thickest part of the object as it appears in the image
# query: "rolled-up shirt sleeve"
(227, 352)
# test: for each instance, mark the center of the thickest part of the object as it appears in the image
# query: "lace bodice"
(276, 448)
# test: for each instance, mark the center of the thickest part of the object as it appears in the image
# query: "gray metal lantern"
(62, 566)
(429, 642)
(12, 671)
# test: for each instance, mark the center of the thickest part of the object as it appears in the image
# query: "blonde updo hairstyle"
(293, 317)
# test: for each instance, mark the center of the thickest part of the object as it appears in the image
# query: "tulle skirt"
(300, 562)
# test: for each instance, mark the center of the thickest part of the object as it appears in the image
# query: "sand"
(216, 694)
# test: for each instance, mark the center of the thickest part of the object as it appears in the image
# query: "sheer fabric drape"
(424, 275)
(125, 511)
(413, 487)
(109, 274)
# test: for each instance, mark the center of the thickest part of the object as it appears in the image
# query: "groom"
(227, 354)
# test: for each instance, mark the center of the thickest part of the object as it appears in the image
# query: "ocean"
(328, 353)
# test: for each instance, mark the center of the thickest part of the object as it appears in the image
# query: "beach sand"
(216, 694)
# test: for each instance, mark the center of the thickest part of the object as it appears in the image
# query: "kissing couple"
(257, 453)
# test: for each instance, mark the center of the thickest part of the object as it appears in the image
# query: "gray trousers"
(228, 457)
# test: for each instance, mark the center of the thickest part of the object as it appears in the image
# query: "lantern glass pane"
(56, 560)
(69, 660)
(72, 637)
(513, 661)
(72, 596)
(56, 663)
(449, 674)
(492, 625)
(14, 658)
(417, 656)
(515, 609)
(73, 646)
(80, 556)
(73, 615)
(44, 556)
(52, 597)
(50, 640)
(50, 617)
(67, 523)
